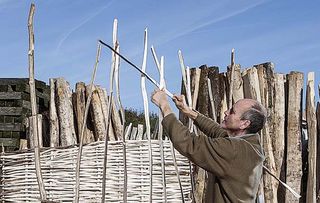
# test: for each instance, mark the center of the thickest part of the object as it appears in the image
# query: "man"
(231, 152)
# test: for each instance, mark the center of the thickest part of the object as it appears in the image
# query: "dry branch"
(34, 104)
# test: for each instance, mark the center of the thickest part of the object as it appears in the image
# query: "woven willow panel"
(19, 183)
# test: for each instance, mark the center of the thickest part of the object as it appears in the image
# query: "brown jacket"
(234, 164)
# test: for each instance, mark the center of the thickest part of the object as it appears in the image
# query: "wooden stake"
(146, 107)
(160, 68)
(312, 140)
(33, 100)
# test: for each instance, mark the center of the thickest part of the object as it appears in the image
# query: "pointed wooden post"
(146, 108)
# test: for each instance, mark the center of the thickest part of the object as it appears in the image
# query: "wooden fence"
(290, 135)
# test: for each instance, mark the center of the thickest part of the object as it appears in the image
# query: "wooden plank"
(10, 95)
(294, 149)
(10, 127)
(312, 139)
(11, 111)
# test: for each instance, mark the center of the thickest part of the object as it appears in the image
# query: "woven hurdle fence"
(19, 183)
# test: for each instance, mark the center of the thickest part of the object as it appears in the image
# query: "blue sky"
(66, 33)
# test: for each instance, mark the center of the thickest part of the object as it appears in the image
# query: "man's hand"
(159, 98)
(181, 104)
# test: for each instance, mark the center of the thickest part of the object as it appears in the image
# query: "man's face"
(232, 118)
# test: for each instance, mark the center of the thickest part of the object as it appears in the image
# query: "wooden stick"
(146, 107)
(108, 121)
(122, 112)
(183, 69)
(116, 61)
(185, 72)
(160, 68)
(284, 184)
(33, 100)
(137, 68)
(84, 123)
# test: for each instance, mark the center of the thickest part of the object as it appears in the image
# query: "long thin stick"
(137, 68)
(146, 108)
(104, 173)
(284, 184)
(33, 100)
(84, 123)
(160, 68)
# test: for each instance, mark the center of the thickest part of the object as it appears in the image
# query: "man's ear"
(244, 124)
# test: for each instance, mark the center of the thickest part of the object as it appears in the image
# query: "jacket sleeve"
(209, 127)
(211, 154)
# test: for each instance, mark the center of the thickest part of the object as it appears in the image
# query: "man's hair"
(257, 116)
